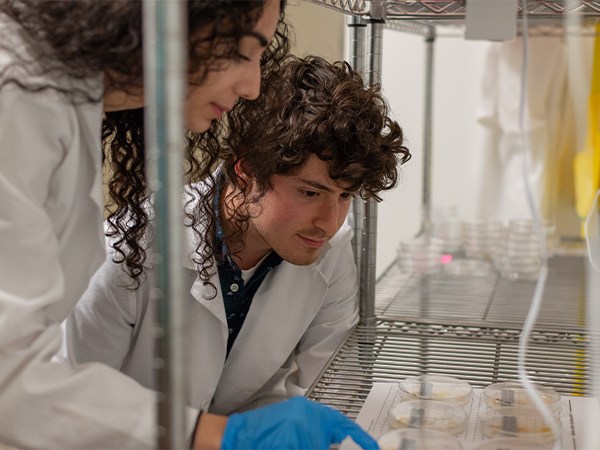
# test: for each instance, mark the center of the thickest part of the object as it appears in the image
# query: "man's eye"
(309, 193)
(346, 196)
(243, 57)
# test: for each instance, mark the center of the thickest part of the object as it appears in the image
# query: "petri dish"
(512, 393)
(428, 414)
(468, 267)
(436, 387)
(518, 422)
(509, 444)
(418, 439)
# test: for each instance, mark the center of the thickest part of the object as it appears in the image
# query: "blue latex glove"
(294, 424)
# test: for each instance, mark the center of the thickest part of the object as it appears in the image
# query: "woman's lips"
(219, 110)
(313, 243)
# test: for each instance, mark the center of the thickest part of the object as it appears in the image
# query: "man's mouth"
(314, 243)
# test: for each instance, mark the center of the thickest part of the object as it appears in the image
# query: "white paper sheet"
(580, 417)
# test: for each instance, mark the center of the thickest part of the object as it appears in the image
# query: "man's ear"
(241, 170)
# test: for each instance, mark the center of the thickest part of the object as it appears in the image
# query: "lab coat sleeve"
(100, 328)
(334, 321)
(44, 404)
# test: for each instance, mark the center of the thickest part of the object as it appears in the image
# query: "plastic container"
(481, 237)
(512, 393)
(468, 268)
(428, 414)
(436, 387)
(418, 439)
(509, 444)
(518, 422)
(420, 255)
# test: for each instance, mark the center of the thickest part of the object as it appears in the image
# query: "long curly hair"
(123, 132)
(317, 108)
(71, 41)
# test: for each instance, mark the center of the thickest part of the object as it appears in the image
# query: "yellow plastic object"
(592, 233)
(587, 161)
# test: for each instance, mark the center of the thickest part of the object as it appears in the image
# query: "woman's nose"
(248, 86)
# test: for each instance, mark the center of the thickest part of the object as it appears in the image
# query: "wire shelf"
(345, 6)
(469, 328)
(478, 355)
(486, 299)
(456, 9)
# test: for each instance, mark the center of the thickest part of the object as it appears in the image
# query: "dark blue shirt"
(237, 295)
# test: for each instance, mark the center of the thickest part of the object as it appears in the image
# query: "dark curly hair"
(317, 108)
(71, 41)
(123, 133)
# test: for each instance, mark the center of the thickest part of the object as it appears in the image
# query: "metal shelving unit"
(467, 327)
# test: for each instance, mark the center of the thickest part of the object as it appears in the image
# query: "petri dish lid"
(428, 414)
(509, 444)
(418, 439)
(468, 267)
(436, 387)
(518, 422)
(512, 393)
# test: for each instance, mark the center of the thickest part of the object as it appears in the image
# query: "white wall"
(458, 65)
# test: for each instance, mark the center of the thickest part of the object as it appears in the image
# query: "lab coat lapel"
(207, 331)
(205, 295)
(282, 309)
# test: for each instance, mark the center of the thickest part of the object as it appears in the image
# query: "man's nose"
(327, 220)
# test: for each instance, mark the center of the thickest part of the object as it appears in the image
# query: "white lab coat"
(502, 193)
(51, 243)
(299, 314)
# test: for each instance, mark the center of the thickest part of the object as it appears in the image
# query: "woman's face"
(241, 78)
(220, 89)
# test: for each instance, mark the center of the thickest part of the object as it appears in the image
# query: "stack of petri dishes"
(519, 256)
(436, 387)
(518, 422)
(512, 393)
(512, 415)
(432, 402)
(420, 255)
(428, 414)
(482, 237)
(444, 225)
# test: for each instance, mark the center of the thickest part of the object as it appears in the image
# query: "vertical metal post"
(357, 28)
(369, 233)
(427, 129)
(165, 69)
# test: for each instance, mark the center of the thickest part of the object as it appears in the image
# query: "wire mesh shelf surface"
(465, 327)
(486, 299)
(456, 9)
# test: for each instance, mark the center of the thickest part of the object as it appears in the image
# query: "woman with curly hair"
(71, 87)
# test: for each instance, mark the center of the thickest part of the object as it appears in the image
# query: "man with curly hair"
(283, 285)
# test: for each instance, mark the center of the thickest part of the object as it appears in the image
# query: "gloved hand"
(294, 424)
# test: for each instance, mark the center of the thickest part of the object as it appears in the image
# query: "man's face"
(299, 214)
